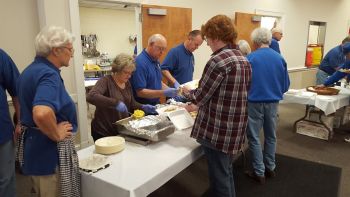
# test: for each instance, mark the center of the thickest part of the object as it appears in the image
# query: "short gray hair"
(244, 47)
(156, 37)
(261, 36)
(122, 61)
(51, 37)
(276, 30)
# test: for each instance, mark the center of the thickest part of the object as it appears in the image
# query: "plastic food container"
(181, 119)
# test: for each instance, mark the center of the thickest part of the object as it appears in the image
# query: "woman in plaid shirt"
(221, 98)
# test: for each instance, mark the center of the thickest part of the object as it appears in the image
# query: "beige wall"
(112, 27)
(302, 78)
(19, 26)
(297, 14)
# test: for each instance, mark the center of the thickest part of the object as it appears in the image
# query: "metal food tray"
(155, 132)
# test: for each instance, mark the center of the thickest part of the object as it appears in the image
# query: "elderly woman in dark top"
(113, 98)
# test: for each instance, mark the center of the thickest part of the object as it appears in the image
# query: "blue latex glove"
(176, 85)
(149, 109)
(170, 92)
(121, 107)
(180, 99)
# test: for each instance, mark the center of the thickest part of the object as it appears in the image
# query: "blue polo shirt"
(41, 84)
(333, 60)
(8, 77)
(275, 45)
(338, 75)
(180, 63)
(146, 76)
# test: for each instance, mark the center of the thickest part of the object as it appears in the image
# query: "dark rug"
(295, 178)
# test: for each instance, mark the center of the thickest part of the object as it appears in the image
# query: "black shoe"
(255, 177)
(270, 173)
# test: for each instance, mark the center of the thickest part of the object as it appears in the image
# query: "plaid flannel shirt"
(222, 100)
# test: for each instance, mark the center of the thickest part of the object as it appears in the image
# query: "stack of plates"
(109, 145)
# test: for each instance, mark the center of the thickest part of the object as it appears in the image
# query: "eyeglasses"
(160, 48)
(69, 49)
(127, 72)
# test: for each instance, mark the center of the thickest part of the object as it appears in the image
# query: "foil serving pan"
(153, 128)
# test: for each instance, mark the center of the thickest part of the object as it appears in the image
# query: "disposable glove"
(170, 92)
(176, 85)
(121, 107)
(149, 109)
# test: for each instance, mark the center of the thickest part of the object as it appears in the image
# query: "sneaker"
(270, 173)
(255, 177)
(347, 139)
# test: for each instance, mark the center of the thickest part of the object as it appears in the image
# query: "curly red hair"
(220, 27)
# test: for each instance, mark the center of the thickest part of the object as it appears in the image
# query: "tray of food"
(151, 127)
(323, 90)
(167, 108)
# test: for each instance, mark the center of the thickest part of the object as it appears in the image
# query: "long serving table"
(327, 104)
(139, 170)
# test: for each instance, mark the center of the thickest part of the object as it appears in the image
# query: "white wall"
(19, 26)
(112, 27)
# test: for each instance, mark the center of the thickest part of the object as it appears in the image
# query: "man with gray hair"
(270, 81)
(147, 79)
(276, 37)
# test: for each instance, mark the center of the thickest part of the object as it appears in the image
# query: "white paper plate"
(181, 119)
(109, 145)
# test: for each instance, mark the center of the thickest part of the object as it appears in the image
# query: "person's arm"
(208, 84)
(45, 119)
(168, 77)
(148, 93)
(17, 112)
(96, 95)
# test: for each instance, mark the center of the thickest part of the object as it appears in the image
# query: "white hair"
(276, 30)
(50, 37)
(261, 36)
(244, 47)
(156, 37)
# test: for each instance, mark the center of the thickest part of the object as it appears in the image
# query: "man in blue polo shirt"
(49, 118)
(8, 76)
(178, 65)
(276, 37)
(331, 62)
(147, 79)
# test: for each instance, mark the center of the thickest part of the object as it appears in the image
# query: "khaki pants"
(46, 186)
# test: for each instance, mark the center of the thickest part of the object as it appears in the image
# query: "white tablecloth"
(139, 170)
(328, 104)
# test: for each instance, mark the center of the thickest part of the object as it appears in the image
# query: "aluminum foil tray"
(159, 128)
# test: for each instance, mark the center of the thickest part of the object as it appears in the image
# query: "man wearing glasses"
(147, 79)
(178, 66)
(277, 35)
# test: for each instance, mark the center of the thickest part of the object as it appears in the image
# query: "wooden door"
(174, 26)
(245, 24)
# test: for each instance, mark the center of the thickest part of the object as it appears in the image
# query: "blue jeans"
(321, 77)
(262, 115)
(220, 172)
(7, 169)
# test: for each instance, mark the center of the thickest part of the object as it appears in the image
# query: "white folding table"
(139, 170)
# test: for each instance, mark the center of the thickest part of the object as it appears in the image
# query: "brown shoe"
(255, 177)
(270, 173)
